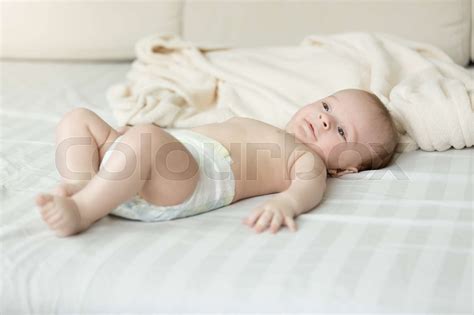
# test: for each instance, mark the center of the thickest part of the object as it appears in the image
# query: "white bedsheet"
(393, 240)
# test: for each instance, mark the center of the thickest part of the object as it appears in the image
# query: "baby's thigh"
(174, 172)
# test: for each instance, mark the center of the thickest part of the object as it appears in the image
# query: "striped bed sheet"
(396, 240)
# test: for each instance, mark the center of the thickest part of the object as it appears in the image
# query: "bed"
(396, 240)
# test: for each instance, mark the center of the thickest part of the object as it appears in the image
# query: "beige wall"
(109, 29)
(445, 23)
(472, 30)
(82, 29)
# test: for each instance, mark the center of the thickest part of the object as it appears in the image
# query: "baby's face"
(338, 127)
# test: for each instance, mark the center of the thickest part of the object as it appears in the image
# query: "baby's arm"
(308, 176)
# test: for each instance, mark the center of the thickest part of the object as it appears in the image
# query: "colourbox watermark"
(124, 159)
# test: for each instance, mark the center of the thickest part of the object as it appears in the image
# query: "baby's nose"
(324, 120)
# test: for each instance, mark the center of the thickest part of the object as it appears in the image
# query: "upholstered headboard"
(109, 29)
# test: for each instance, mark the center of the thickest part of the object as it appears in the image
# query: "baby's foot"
(68, 189)
(61, 214)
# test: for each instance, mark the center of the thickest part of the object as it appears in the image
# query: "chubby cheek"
(329, 146)
(292, 122)
(296, 121)
(308, 111)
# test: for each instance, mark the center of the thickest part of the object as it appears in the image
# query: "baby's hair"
(383, 154)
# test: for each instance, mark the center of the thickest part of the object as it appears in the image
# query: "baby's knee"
(78, 115)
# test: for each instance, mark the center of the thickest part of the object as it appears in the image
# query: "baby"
(151, 174)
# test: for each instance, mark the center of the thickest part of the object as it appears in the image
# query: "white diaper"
(215, 187)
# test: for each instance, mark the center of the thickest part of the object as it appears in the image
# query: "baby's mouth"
(313, 131)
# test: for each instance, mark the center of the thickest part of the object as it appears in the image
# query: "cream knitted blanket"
(173, 83)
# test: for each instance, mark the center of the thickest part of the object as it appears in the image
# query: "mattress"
(392, 240)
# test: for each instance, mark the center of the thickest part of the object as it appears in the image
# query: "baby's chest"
(263, 163)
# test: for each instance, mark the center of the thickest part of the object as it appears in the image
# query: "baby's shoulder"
(304, 158)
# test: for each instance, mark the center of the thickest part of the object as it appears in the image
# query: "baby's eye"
(341, 132)
(326, 107)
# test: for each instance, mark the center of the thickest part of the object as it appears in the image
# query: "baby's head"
(350, 129)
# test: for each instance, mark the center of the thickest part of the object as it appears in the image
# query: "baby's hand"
(273, 212)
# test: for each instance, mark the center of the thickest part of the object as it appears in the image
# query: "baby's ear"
(338, 172)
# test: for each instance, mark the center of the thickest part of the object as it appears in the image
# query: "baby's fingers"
(276, 222)
(250, 220)
(290, 223)
(263, 221)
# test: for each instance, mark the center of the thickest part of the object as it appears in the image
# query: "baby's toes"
(45, 204)
(52, 216)
(43, 199)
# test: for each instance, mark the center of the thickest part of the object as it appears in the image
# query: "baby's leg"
(137, 164)
(82, 138)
